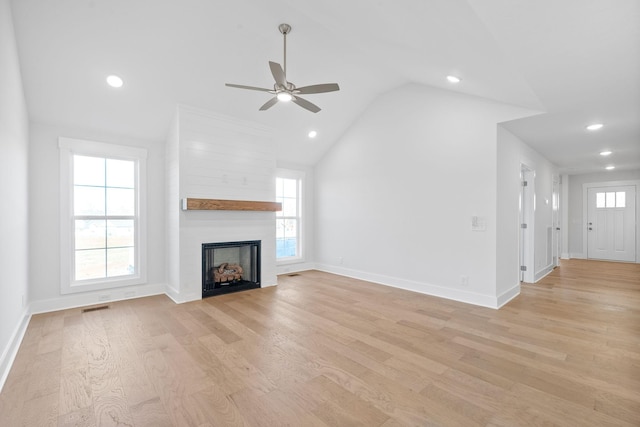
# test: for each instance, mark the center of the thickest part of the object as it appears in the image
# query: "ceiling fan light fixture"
(605, 153)
(284, 97)
(283, 89)
(595, 126)
(453, 79)
(609, 168)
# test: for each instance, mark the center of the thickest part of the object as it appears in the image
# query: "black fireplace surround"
(230, 267)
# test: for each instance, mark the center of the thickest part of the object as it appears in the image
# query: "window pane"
(290, 188)
(88, 170)
(290, 227)
(621, 199)
(120, 173)
(88, 200)
(611, 200)
(289, 207)
(120, 262)
(120, 201)
(90, 264)
(600, 200)
(120, 233)
(280, 229)
(286, 247)
(90, 234)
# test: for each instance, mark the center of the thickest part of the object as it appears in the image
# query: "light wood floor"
(323, 350)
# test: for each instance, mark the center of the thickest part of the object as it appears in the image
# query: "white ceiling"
(575, 61)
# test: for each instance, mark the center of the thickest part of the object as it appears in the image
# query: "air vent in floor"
(100, 307)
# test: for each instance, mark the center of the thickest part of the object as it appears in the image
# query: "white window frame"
(300, 177)
(68, 148)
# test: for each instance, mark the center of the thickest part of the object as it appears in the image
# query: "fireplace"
(230, 267)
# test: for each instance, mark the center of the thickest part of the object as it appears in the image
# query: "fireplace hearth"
(230, 267)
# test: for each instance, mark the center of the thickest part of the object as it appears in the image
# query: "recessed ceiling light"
(595, 126)
(284, 97)
(605, 153)
(114, 81)
(313, 134)
(610, 168)
(454, 79)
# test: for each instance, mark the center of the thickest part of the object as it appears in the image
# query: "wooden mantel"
(229, 205)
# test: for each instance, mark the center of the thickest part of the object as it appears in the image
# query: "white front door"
(611, 223)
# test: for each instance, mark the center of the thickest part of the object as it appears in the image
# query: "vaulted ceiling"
(576, 62)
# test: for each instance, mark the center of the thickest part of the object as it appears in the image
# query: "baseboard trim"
(11, 351)
(577, 255)
(419, 287)
(294, 268)
(96, 297)
(508, 295)
(542, 273)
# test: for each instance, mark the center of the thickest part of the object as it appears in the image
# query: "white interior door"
(556, 222)
(611, 223)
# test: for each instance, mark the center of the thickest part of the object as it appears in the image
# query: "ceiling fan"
(283, 89)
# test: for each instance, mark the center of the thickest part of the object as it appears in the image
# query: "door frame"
(527, 216)
(585, 206)
(556, 213)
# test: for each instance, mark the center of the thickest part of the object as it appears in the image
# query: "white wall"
(14, 206)
(44, 199)
(395, 195)
(576, 220)
(218, 157)
(512, 153)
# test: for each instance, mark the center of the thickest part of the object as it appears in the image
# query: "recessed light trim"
(605, 153)
(312, 134)
(595, 126)
(115, 81)
(284, 97)
(453, 79)
(609, 168)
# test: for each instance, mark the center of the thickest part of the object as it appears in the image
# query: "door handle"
(590, 228)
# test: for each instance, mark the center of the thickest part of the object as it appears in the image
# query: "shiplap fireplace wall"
(211, 156)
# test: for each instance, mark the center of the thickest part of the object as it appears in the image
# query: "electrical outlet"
(464, 280)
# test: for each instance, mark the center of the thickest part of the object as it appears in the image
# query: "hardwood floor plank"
(323, 350)
(150, 413)
(41, 411)
(75, 391)
(81, 418)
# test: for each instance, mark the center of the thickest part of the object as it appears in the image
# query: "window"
(611, 199)
(102, 215)
(289, 220)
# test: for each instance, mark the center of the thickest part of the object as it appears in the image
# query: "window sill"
(99, 285)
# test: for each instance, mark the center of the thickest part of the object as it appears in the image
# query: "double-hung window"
(289, 220)
(102, 215)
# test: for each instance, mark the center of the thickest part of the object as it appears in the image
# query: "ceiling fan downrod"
(285, 29)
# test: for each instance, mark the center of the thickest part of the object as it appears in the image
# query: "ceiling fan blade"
(249, 87)
(306, 104)
(270, 103)
(278, 74)
(321, 88)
